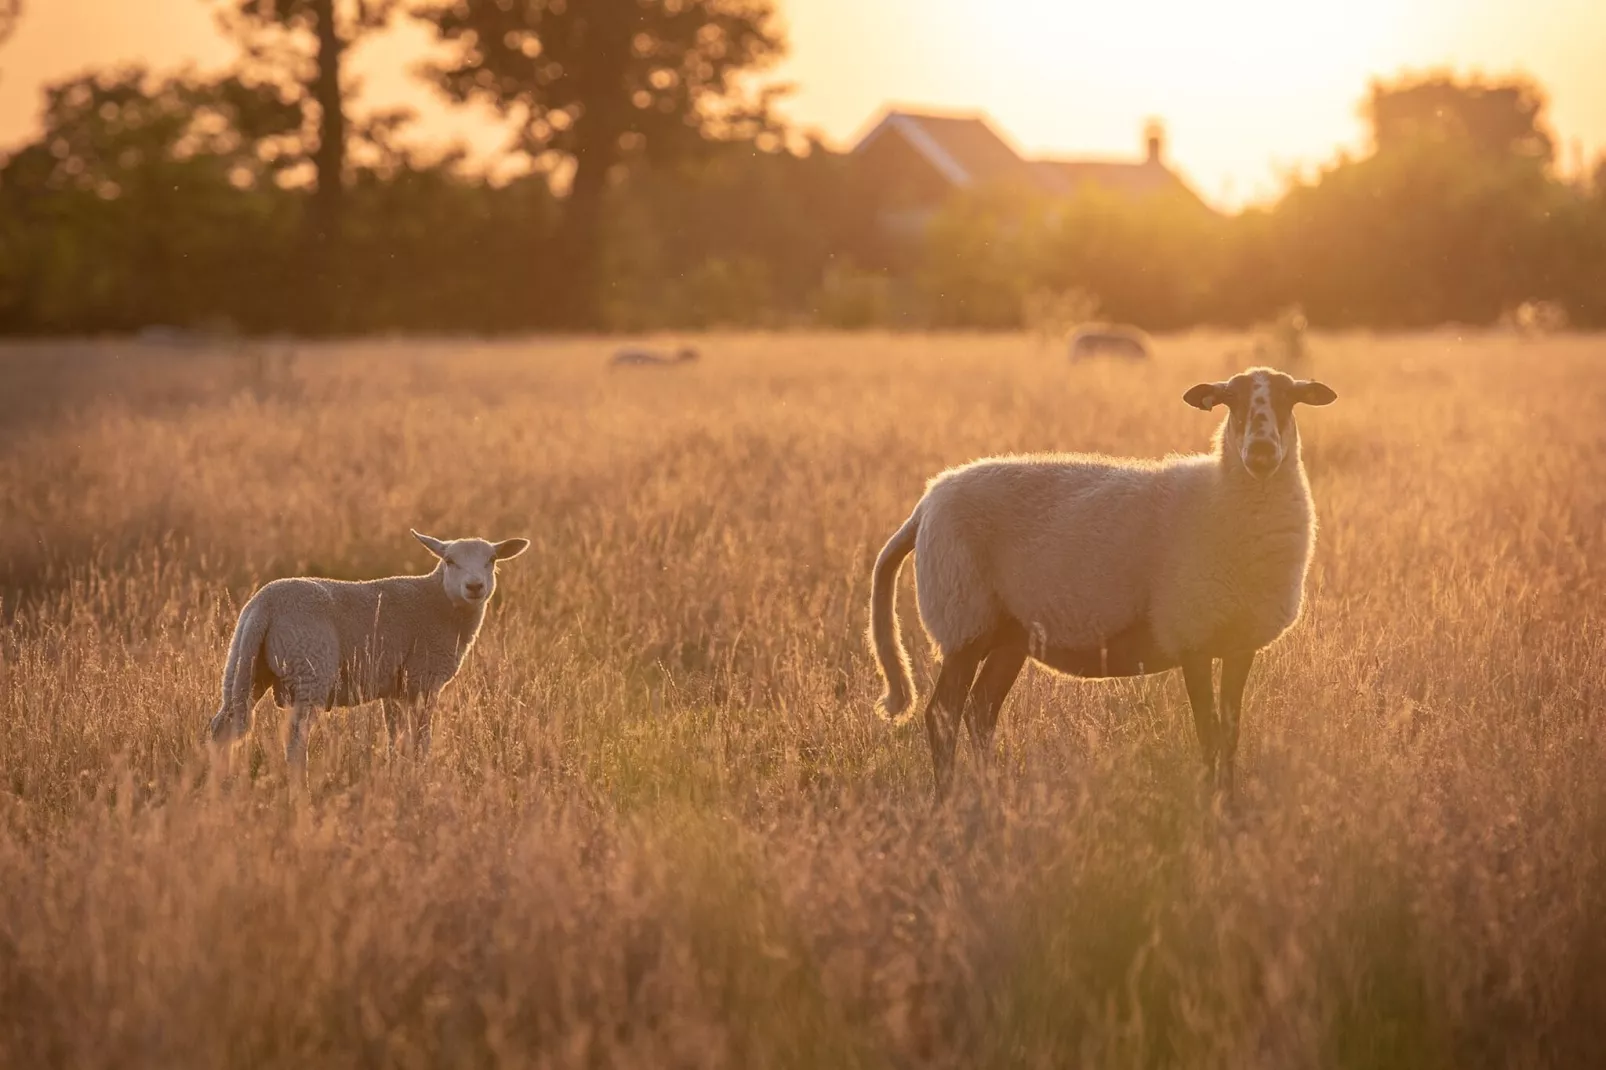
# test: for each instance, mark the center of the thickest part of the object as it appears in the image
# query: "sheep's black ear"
(1310, 392)
(434, 546)
(511, 548)
(1206, 396)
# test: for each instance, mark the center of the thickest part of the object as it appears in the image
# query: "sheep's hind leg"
(1197, 674)
(998, 674)
(942, 712)
(1234, 675)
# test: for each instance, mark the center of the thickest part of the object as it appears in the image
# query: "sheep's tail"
(233, 720)
(884, 635)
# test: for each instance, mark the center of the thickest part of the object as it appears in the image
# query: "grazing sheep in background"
(1535, 319)
(1051, 314)
(323, 643)
(1109, 340)
(1099, 567)
(632, 357)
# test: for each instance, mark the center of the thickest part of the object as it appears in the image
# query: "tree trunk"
(601, 87)
(325, 222)
(580, 238)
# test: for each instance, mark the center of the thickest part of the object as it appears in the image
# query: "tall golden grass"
(661, 827)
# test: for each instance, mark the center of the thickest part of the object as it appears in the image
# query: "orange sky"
(1248, 88)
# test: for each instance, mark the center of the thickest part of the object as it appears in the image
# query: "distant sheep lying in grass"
(1109, 340)
(1534, 319)
(1098, 567)
(635, 357)
(324, 643)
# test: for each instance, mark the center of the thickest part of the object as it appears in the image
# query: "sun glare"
(1223, 45)
(1245, 87)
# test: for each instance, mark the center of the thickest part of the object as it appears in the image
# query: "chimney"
(1154, 142)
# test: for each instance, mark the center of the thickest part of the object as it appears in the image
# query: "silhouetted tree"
(144, 199)
(1445, 221)
(300, 45)
(1490, 120)
(181, 199)
(592, 80)
(735, 236)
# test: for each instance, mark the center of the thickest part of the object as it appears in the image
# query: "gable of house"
(916, 160)
(959, 152)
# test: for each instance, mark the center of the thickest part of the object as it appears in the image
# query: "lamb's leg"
(423, 715)
(230, 727)
(942, 712)
(409, 724)
(1234, 675)
(394, 719)
(998, 675)
(1197, 673)
(295, 747)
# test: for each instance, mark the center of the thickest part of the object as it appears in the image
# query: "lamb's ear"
(434, 546)
(511, 548)
(1310, 392)
(1206, 396)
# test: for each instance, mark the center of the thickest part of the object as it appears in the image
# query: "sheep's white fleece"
(1080, 547)
(328, 643)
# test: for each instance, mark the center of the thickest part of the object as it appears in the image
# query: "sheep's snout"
(1262, 457)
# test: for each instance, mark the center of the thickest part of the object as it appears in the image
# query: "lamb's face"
(1260, 429)
(468, 566)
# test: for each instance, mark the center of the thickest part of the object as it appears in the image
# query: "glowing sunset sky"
(1248, 88)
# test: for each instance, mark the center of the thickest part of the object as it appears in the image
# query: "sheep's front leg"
(1234, 675)
(1197, 674)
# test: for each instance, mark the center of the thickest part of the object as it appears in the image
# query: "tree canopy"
(590, 83)
(179, 198)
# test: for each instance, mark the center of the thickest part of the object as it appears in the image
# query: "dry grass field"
(661, 826)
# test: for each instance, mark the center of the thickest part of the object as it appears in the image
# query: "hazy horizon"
(1248, 89)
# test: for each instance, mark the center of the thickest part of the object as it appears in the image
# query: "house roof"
(1138, 178)
(967, 151)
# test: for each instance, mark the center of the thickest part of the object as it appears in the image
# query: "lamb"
(1109, 339)
(322, 643)
(633, 357)
(1099, 567)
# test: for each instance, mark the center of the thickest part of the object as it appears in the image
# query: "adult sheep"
(320, 643)
(1101, 567)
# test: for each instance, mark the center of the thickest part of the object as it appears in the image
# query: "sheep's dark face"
(1260, 429)
(468, 566)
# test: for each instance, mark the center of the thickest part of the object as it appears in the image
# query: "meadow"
(661, 825)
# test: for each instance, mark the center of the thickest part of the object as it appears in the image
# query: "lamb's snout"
(474, 588)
